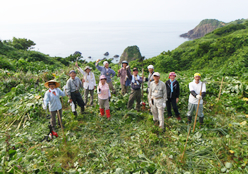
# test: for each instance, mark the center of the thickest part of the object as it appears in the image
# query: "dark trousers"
(77, 99)
(135, 95)
(53, 118)
(169, 102)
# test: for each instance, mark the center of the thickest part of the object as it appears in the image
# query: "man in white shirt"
(195, 88)
(89, 83)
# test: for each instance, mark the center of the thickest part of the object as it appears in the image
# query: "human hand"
(97, 60)
(83, 80)
(44, 107)
(76, 64)
(199, 97)
(177, 99)
(164, 105)
(127, 66)
(70, 100)
(118, 71)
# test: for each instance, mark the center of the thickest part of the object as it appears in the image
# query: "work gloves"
(164, 105)
(199, 97)
(44, 107)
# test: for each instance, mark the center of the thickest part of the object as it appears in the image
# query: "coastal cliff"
(204, 27)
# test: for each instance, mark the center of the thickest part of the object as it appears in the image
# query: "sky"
(49, 11)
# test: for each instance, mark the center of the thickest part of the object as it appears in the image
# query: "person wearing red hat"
(173, 91)
(103, 96)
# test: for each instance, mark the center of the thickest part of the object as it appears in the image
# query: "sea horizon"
(95, 38)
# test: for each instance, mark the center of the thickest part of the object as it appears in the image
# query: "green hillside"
(129, 142)
(225, 49)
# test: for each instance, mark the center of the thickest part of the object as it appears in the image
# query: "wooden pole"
(197, 109)
(61, 125)
(220, 88)
(185, 144)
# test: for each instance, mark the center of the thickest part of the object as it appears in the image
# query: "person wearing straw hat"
(108, 72)
(122, 73)
(89, 83)
(73, 85)
(195, 88)
(173, 91)
(52, 98)
(136, 82)
(158, 97)
(103, 96)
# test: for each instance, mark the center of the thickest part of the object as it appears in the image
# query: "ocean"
(95, 38)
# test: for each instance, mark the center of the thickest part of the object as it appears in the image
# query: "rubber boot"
(108, 113)
(102, 111)
(189, 119)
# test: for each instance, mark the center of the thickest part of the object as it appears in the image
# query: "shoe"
(201, 120)
(55, 134)
(179, 118)
(82, 110)
(156, 122)
(189, 119)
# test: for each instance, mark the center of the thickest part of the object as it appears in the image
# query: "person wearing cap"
(173, 91)
(136, 81)
(195, 88)
(52, 98)
(158, 97)
(103, 96)
(108, 72)
(89, 83)
(72, 89)
(122, 73)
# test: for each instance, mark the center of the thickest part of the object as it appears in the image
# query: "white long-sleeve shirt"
(90, 80)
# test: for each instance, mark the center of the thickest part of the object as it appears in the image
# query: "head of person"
(52, 84)
(172, 76)
(103, 79)
(106, 64)
(124, 64)
(150, 68)
(72, 74)
(135, 71)
(156, 77)
(87, 69)
(197, 77)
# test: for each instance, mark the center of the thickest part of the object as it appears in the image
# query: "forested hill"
(224, 50)
(207, 26)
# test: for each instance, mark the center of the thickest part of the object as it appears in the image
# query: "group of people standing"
(160, 94)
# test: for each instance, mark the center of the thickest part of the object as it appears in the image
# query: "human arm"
(68, 88)
(112, 72)
(164, 92)
(94, 80)
(46, 100)
(61, 93)
(82, 72)
(119, 73)
(129, 75)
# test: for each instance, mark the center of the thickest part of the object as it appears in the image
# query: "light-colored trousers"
(193, 107)
(157, 110)
(111, 86)
(86, 93)
(104, 103)
(124, 89)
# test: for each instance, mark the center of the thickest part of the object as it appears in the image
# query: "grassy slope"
(129, 142)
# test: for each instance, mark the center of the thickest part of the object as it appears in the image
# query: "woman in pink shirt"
(103, 96)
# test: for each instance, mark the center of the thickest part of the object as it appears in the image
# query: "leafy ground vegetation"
(129, 142)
